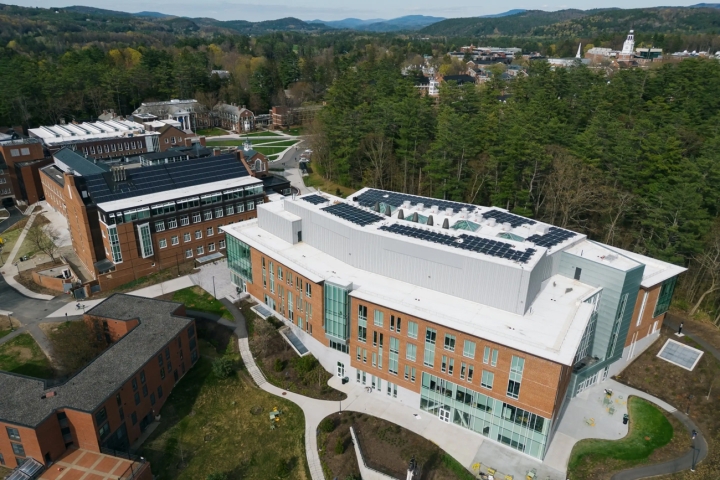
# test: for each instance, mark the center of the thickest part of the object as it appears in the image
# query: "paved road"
(30, 312)
(15, 216)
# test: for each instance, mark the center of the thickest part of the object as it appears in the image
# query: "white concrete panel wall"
(542, 271)
(504, 286)
(276, 224)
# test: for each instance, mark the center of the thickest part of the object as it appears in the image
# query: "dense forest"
(630, 158)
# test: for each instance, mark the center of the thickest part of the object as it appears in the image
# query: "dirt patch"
(21, 354)
(386, 447)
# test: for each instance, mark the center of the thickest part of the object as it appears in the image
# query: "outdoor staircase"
(250, 364)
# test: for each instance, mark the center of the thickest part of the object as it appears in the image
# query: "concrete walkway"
(9, 270)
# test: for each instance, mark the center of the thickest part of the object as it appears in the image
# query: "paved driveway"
(15, 216)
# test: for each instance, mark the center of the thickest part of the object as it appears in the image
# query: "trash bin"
(626, 419)
(345, 380)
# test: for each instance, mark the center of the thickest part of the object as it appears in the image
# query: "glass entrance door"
(340, 369)
(444, 414)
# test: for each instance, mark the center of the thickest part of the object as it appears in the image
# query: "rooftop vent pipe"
(377, 207)
(414, 217)
(388, 212)
(430, 221)
(446, 224)
(401, 215)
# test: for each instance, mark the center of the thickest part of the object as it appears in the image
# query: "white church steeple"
(629, 45)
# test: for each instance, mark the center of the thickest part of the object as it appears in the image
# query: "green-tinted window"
(337, 311)
(469, 349)
(146, 247)
(412, 329)
(239, 261)
(666, 293)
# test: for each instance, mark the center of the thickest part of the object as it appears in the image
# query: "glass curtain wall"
(239, 261)
(337, 311)
(495, 419)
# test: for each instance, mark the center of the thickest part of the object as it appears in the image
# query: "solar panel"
(493, 248)
(553, 237)
(315, 199)
(504, 217)
(353, 214)
(679, 354)
(372, 196)
(164, 177)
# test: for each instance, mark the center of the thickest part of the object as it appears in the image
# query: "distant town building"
(220, 73)
(100, 140)
(184, 112)
(234, 118)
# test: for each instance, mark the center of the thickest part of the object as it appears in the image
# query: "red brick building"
(20, 161)
(112, 400)
(486, 319)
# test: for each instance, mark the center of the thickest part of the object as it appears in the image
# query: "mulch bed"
(386, 447)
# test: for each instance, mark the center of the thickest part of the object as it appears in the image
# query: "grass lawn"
(649, 430)
(297, 131)
(275, 143)
(263, 134)
(269, 150)
(11, 236)
(211, 425)
(314, 179)
(195, 298)
(23, 355)
(212, 132)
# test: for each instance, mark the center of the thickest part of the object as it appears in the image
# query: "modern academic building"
(128, 223)
(107, 405)
(486, 319)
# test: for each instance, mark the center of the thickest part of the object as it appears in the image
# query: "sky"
(255, 10)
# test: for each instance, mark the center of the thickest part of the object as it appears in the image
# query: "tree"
(708, 262)
(223, 367)
(44, 238)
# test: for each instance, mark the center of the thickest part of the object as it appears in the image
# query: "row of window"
(112, 147)
(197, 217)
(490, 355)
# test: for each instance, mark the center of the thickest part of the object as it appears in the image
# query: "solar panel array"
(504, 217)
(164, 177)
(554, 237)
(372, 196)
(471, 243)
(315, 199)
(353, 214)
(680, 354)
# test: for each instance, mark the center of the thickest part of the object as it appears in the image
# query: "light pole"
(694, 452)
(689, 398)
(214, 294)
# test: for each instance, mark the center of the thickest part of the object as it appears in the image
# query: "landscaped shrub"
(223, 367)
(340, 446)
(279, 365)
(327, 425)
(216, 476)
(283, 468)
(306, 364)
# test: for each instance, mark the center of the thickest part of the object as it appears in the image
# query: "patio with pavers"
(79, 464)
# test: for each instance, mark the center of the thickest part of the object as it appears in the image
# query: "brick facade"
(642, 327)
(132, 407)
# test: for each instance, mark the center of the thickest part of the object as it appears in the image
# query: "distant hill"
(583, 23)
(151, 14)
(514, 11)
(348, 23)
(408, 22)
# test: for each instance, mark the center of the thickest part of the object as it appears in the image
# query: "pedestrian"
(680, 328)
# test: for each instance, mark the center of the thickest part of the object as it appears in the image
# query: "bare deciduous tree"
(573, 190)
(708, 263)
(378, 150)
(44, 238)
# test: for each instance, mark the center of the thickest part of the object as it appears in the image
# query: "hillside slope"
(583, 23)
